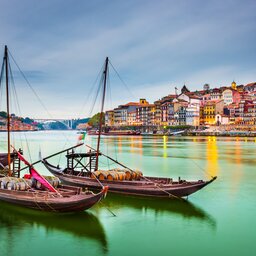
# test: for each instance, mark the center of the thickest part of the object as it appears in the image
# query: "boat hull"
(48, 201)
(150, 186)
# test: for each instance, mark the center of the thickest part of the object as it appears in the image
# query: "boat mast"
(105, 73)
(8, 108)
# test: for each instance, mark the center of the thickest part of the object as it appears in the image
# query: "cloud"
(61, 45)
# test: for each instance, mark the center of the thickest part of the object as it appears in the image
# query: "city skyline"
(155, 47)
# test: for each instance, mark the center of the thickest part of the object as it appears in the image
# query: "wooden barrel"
(38, 185)
(54, 181)
(133, 175)
(29, 183)
(139, 174)
(11, 185)
(128, 174)
(4, 182)
(136, 174)
(22, 186)
(96, 173)
(121, 175)
(102, 175)
(112, 175)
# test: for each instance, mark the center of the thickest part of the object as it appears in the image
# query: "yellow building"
(109, 118)
(209, 113)
(210, 109)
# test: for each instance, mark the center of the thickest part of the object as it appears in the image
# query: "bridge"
(67, 122)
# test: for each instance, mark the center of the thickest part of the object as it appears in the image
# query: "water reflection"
(165, 140)
(182, 208)
(212, 165)
(82, 225)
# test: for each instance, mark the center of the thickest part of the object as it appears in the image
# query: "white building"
(192, 114)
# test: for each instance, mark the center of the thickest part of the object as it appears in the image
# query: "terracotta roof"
(215, 90)
(192, 95)
(250, 84)
(132, 104)
(146, 105)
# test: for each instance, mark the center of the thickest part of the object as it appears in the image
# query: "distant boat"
(115, 133)
(121, 181)
(81, 132)
(176, 133)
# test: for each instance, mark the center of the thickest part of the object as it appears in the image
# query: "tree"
(27, 120)
(3, 114)
(95, 120)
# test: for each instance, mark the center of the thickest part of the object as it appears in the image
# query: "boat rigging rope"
(199, 167)
(45, 201)
(90, 93)
(127, 88)
(1, 87)
(19, 111)
(34, 92)
(170, 194)
(46, 197)
(97, 179)
(35, 197)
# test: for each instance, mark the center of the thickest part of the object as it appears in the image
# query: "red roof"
(250, 84)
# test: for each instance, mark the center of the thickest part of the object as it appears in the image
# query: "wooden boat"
(87, 175)
(115, 133)
(145, 186)
(68, 198)
(46, 197)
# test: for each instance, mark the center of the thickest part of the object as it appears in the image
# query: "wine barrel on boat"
(136, 174)
(95, 174)
(8, 183)
(117, 174)
(128, 174)
(102, 175)
(121, 175)
(112, 175)
(54, 181)
(98, 174)
(13, 183)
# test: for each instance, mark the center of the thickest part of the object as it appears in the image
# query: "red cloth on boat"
(27, 176)
(36, 175)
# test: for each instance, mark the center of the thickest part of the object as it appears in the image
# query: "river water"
(218, 220)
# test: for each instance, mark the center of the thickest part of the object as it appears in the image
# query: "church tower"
(233, 85)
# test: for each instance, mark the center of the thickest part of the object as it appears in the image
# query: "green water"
(218, 220)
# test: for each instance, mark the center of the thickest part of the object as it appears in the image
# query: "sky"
(155, 46)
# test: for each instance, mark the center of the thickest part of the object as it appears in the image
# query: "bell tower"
(233, 85)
